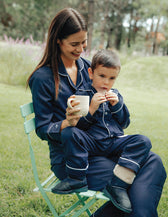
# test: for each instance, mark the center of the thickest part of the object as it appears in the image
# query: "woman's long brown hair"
(68, 21)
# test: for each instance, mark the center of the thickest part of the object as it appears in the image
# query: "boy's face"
(103, 78)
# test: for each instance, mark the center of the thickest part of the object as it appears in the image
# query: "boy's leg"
(77, 146)
(133, 150)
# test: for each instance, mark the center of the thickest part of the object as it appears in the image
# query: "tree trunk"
(5, 18)
(118, 32)
(103, 24)
(90, 23)
(110, 22)
(155, 44)
(118, 38)
(130, 29)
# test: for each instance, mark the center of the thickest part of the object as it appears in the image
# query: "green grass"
(143, 83)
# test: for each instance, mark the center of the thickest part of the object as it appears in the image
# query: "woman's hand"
(97, 99)
(71, 117)
(112, 98)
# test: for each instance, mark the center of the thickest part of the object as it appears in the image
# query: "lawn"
(143, 82)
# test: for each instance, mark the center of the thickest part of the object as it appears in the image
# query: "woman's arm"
(43, 96)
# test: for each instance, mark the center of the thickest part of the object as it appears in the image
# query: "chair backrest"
(26, 110)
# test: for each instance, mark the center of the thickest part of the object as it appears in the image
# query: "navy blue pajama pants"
(131, 150)
(144, 193)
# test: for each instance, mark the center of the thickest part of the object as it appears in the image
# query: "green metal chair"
(82, 203)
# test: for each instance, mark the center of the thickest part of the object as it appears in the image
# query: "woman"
(59, 74)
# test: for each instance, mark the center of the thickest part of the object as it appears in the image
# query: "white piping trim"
(84, 90)
(104, 121)
(122, 136)
(72, 168)
(130, 161)
(118, 109)
(87, 120)
(48, 131)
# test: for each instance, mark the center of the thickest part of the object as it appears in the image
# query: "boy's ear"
(90, 73)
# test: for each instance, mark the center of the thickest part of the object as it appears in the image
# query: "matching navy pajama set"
(103, 135)
(145, 192)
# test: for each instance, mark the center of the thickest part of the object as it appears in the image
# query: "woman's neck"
(68, 63)
(71, 69)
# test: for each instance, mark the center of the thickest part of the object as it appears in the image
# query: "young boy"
(103, 135)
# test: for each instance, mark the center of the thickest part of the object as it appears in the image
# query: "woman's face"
(72, 47)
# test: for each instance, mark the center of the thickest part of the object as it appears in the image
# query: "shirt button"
(106, 113)
(107, 124)
(56, 125)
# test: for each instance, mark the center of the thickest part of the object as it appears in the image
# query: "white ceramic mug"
(84, 104)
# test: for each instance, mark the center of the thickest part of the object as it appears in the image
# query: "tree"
(90, 23)
(5, 17)
(117, 14)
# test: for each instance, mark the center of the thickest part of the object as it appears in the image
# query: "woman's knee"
(152, 172)
(145, 142)
(157, 163)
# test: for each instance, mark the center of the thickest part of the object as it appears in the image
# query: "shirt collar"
(62, 71)
(89, 87)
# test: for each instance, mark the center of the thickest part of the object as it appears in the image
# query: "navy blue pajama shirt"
(103, 135)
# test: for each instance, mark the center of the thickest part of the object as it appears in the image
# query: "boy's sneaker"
(69, 185)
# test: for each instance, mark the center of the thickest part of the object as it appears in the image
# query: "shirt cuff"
(85, 122)
(54, 131)
(116, 108)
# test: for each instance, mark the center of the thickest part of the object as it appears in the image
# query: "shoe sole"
(115, 203)
(78, 190)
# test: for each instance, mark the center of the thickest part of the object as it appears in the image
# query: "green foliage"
(143, 83)
(115, 22)
(30, 17)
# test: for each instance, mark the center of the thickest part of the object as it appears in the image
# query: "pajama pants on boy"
(131, 150)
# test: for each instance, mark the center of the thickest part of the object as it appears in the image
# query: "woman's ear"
(90, 73)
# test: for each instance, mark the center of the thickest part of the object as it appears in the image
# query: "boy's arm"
(120, 112)
(85, 122)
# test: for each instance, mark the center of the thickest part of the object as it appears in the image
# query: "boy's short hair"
(106, 58)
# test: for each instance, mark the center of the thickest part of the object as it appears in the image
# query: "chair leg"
(83, 203)
(48, 202)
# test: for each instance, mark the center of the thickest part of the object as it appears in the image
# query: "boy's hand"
(97, 99)
(112, 98)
